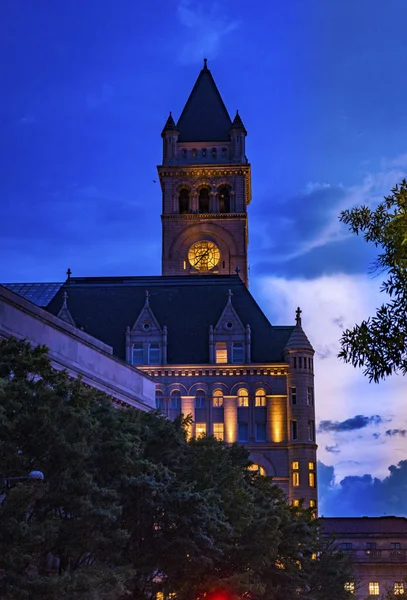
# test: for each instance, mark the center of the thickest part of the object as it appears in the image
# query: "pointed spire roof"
(238, 123)
(205, 117)
(298, 340)
(169, 125)
(64, 313)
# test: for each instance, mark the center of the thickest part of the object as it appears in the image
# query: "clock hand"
(201, 257)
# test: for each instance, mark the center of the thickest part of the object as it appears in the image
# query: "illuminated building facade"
(196, 328)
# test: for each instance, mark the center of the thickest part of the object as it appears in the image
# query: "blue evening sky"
(87, 85)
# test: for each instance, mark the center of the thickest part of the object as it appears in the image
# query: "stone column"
(193, 202)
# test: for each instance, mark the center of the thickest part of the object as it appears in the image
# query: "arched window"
(214, 152)
(175, 400)
(224, 151)
(159, 400)
(258, 469)
(183, 201)
(242, 397)
(184, 153)
(224, 200)
(260, 399)
(217, 398)
(204, 152)
(200, 399)
(204, 200)
(194, 152)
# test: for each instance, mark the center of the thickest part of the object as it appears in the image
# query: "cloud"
(206, 27)
(97, 98)
(357, 422)
(393, 432)
(363, 495)
(333, 449)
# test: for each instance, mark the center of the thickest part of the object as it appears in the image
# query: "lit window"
(159, 596)
(295, 465)
(219, 431)
(260, 432)
(310, 396)
(217, 398)
(175, 400)
(137, 354)
(200, 429)
(154, 354)
(398, 588)
(200, 399)
(221, 353)
(293, 396)
(296, 502)
(311, 431)
(260, 399)
(159, 400)
(237, 352)
(243, 432)
(311, 466)
(242, 397)
(312, 504)
(296, 479)
(311, 479)
(294, 430)
(257, 469)
(374, 588)
(350, 587)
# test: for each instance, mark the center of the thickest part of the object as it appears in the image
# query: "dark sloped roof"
(104, 307)
(40, 294)
(365, 525)
(205, 117)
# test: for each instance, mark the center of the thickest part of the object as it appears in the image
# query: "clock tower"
(206, 187)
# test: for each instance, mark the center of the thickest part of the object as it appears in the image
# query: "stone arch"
(179, 387)
(199, 231)
(262, 384)
(241, 384)
(263, 462)
(200, 385)
(220, 386)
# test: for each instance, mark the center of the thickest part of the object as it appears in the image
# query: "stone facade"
(378, 547)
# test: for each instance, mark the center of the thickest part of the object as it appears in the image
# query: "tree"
(379, 344)
(130, 508)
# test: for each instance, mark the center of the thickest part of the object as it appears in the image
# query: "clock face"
(204, 255)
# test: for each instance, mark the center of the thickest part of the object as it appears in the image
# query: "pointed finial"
(298, 316)
(205, 63)
(69, 273)
(230, 294)
(147, 296)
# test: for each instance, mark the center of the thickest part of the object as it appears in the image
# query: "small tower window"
(221, 353)
(183, 201)
(204, 200)
(224, 151)
(154, 354)
(184, 153)
(224, 200)
(237, 352)
(204, 152)
(194, 152)
(138, 354)
(214, 152)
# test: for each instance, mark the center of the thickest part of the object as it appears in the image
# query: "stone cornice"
(214, 370)
(206, 216)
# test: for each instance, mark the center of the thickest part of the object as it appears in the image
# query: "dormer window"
(184, 153)
(194, 152)
(224, 151)
(204, 152)
(214, 152)
(237, 352)
(221, 353)
(154, 354)
(137, 357)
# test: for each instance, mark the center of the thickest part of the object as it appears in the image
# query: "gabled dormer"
(229, 340)
(146, 341)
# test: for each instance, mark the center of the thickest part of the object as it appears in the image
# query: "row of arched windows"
(223, 201)
(217, 398)
(203, 152)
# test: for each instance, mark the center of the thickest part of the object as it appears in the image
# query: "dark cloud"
(357, 422)
(333, 449)
(323, 352)
(393, 432)
(364, 495)
(376, 435)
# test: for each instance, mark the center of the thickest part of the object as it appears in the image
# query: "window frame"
(260, 398)
(140, 348)
(202, 426)
(202, 399)
(217, 398)
(374, 588)
(157, 347)
(220, 436)
(240, 347)
(240, 402)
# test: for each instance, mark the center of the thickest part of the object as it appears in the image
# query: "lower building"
(378, 547)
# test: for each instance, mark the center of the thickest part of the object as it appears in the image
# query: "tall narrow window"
(159, 400)
(183, 201)
(300, 362)
(175, 400)
(137, 357)
(242, 397)
(243, 432)
(154, 354)
(260, 399)
(293, 396)
(295, 473)
(204, 152)
(311, 474)
(219, 431)
(217, 398)
(311, 431)
(237, 352)
(214, 152)
(294, 430)
(221, 353)
(194, 152)
(204, 200)
(374, 588)
(200, 399)
(184, 153)
(295, 362)
(224, 200)
(260, 432)
(200, 429)
(312, 504)
(310, 396)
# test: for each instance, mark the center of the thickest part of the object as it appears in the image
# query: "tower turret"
(170, 138)
(238, 140)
